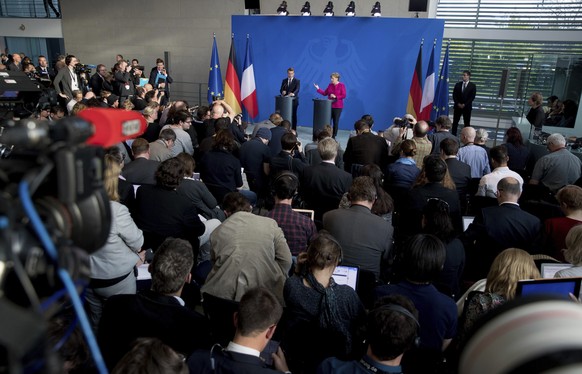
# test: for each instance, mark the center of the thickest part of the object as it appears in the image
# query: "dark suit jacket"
(498, 228)
(226, 363)
(292, 88)
(123, 85)
(63, 82)
(275, 142)
(365, 237)
(364, 149)
(140, 171)
(148, 314)
(464, 97)
(169, 80)
(322, 187)
(461, 174)
(417, 199)
(13, 67)
(98, 83)
(49, 74)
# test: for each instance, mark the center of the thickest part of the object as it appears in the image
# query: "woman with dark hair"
(318, 306)
(436, 220)
(423, 257)
(404, 171)
(221, 170)
(517, 152)
(162, 212)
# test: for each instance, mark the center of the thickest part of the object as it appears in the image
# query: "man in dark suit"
(460, 171)
(15, 64)
(435, 170)
(98, 82)
(159, 312)
(365, 148)
(66, 81)
(365, 237)
(141, 170)
(256, 321)
(463, 96)
(499, 227)
(322, 186)
(290, 87)
(160, 79)
(43, 69)
(277, 133)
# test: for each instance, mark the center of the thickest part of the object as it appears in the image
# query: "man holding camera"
(160, 79)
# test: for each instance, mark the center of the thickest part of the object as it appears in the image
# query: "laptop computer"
(550, 269)
(561, 287)
(346, 275)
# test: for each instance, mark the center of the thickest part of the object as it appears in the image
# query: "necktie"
(464, 86)
(288, 82)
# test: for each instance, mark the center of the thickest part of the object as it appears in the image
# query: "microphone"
(113, 126)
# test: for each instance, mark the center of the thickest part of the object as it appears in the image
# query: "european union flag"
(215, 76)
(440, 105)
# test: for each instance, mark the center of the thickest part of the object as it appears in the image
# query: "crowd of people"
(390, 205)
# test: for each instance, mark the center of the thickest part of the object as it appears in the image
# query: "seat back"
(220, 313)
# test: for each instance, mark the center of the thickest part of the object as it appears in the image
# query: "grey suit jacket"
(63, 83)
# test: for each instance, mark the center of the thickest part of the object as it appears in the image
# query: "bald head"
(468, 135)
(509, 190)
(217, 111)
(420, 129)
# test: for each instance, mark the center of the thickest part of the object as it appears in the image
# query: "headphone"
(402, 310)
(292, 178)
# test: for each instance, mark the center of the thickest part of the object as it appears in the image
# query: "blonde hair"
(111, 180)
(336, 75)
(573, 251)
(510, 266)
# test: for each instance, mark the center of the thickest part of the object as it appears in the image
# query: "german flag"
(232, 89)
(415, 94)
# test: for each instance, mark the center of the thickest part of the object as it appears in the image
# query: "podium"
(321, 115)
(284, 105)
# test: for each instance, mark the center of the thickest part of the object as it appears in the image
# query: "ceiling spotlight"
(328, 11)
(306, 10)
(351, 9)
(377, 10)
(282, 10)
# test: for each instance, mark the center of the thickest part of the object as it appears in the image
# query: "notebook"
(346, 275)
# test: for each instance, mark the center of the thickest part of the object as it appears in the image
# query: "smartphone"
(271, 348)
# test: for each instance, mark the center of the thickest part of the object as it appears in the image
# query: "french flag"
(428, 92)
(248, 89)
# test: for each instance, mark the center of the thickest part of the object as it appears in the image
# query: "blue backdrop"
(374, 56)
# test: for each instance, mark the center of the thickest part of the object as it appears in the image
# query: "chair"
(220, 313)
(365, 288)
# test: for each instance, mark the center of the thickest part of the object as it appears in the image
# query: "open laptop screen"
(346, 275)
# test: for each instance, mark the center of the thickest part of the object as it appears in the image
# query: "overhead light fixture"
(328, 11)
(282, 10)
(351, 9)
(306, 10)
(377, 10)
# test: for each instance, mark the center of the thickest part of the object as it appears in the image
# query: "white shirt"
(488, 183)
(233, 347)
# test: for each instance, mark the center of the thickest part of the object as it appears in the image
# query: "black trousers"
(335, 117)
(466, 112)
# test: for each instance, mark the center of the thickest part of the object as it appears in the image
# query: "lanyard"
(371, 368)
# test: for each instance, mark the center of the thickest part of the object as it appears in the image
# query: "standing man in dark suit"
(365, 148)
(159, 312)
(160, 79)
(290, 87)
(98, 82)
(322, 186)
(256, 322)
(460, 171)
(67, 80)
(463, 96)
